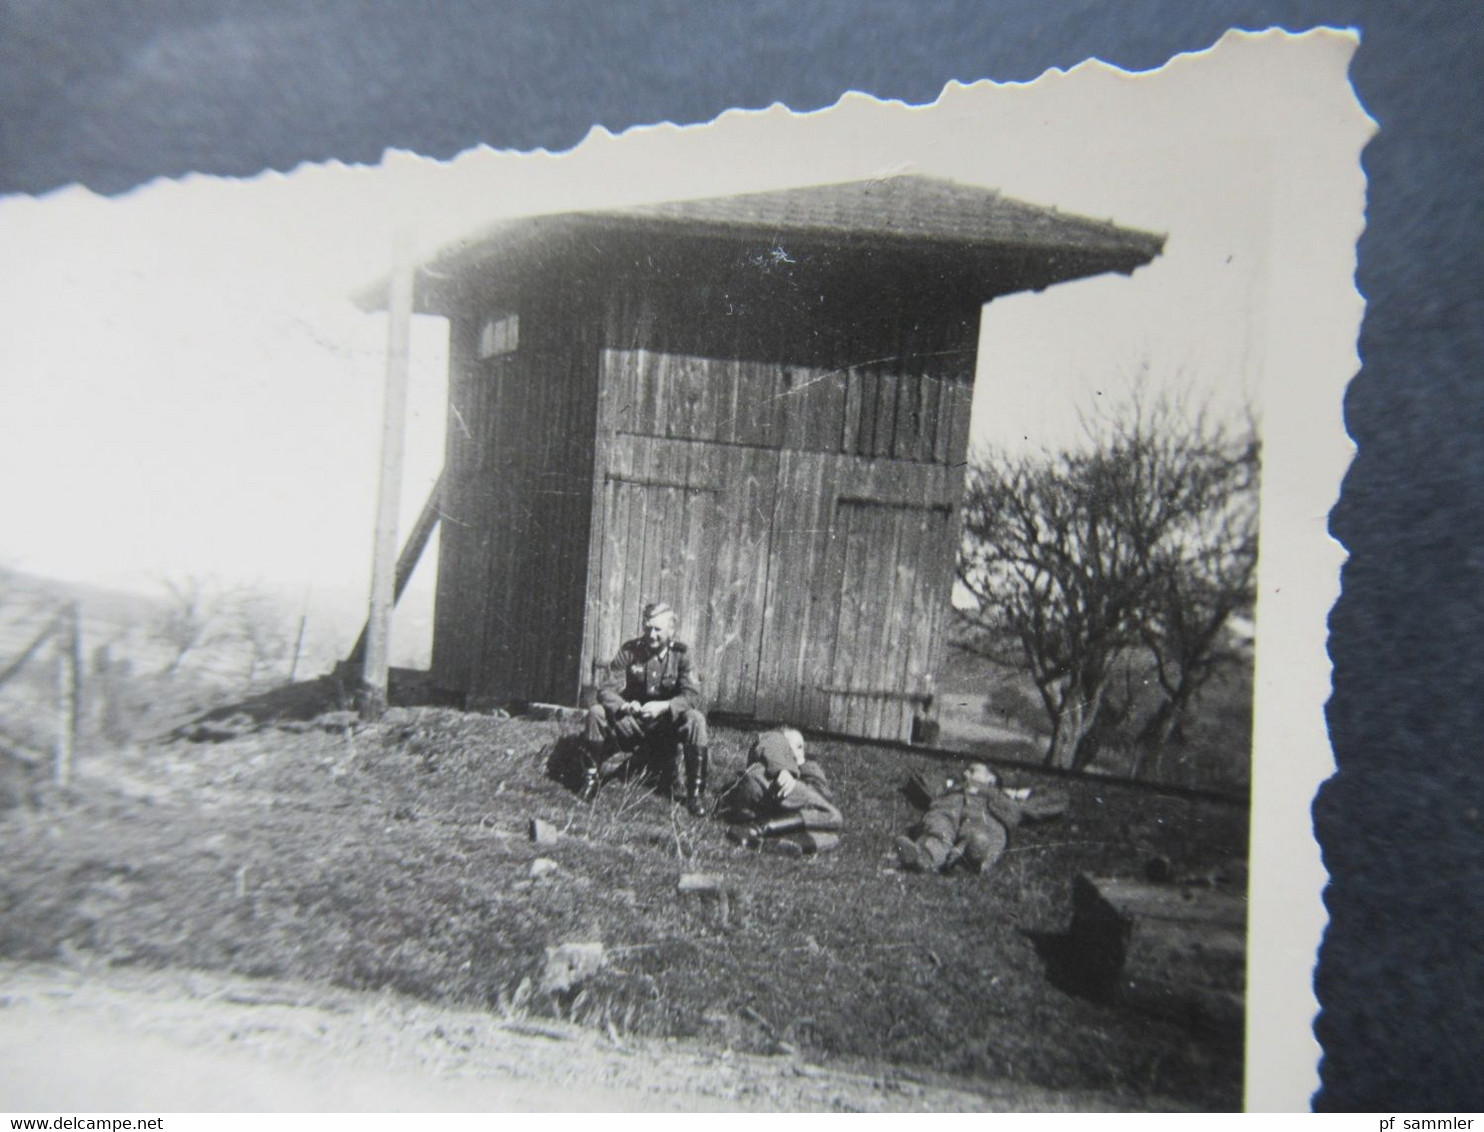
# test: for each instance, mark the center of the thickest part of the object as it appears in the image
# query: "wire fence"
(49, 663)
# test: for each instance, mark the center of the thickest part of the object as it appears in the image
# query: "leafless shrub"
(195, 615)
(1143, 541)
(263, 627)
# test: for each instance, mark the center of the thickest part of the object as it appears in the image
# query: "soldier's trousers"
(979, 843)
(605, 732)
(753, 794)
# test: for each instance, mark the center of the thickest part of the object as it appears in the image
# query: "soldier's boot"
(776, 827)
(764, 833)
(697, 769)
(591, 780)
(589, 788)
(913, 857)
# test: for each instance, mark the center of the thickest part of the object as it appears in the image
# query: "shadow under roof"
(906, 213)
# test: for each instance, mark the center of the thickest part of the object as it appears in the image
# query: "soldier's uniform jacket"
(634, 676)
(967, 806)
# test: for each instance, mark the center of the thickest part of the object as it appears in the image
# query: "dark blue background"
(112, 94)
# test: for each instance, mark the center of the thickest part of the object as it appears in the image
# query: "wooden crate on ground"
(1176, 950)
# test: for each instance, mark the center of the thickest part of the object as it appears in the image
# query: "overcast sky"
(185, 386)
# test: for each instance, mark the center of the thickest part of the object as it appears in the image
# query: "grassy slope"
(395, 857)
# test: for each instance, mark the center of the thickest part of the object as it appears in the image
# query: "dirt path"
(75, 1040)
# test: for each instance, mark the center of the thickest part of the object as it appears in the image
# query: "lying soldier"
(783, 802)
(969, 822)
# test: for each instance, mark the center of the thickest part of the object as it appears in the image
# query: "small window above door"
(499, 335)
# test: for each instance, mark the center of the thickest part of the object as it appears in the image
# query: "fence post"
(69, 666)
(298, 647)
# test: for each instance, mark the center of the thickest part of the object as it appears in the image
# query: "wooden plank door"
(803, 522)
(892, 610)
(858, 583)
(684, 501)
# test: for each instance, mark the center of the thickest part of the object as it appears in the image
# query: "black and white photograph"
(806, 612)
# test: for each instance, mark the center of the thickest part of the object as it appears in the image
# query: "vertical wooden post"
(298, 647)
(372, 700)
(69, 666)
(79, 687)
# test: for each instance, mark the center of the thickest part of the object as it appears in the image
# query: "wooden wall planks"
(513, 544)
(802, 520)
(676, 425)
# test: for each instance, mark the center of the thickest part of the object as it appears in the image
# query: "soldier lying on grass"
(782, 803)
(969, 824)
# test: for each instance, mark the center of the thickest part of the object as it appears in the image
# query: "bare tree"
(1202, 581)
(1075, 558)
(191, 618)
(262, 626)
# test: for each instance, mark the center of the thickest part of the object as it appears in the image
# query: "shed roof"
(908, 212)
(907, 207)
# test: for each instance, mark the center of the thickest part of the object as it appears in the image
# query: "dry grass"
(396, 857)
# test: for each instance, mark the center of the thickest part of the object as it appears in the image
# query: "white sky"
(185, 385)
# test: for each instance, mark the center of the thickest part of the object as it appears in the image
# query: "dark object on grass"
(566, 762)
(925, 728)
(219, 731)
(717, 897)
(1173, 950)
(920, 788)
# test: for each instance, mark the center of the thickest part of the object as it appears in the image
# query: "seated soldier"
(968, 823)
(651, 701)
(783, 800)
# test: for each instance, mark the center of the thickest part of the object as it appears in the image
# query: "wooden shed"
(755, 408)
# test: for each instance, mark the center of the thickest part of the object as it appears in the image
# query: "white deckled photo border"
(1250, 149)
